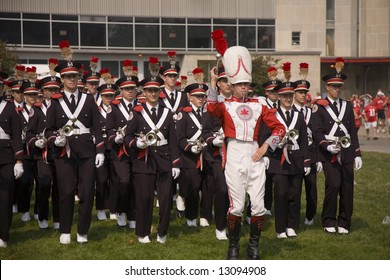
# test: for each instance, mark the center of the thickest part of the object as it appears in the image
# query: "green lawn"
(369, 238)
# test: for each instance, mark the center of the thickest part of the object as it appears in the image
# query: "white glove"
(118, 138)
(40, 143)
(358, 163)
(195, 150)
(319, 166)
(141, 144)
(307, 170)
(99, 160)
(18, 170)
(175, 172)
(333, 149)
(266, 162)
(218, 142)
(60, 141)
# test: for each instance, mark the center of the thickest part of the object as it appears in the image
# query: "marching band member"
(245, 168)
(11, 166)
(288, 164)
(43, 155)
(151, 135)
(117, 121)
(335, 134)
(191, 145)
(300, 105)
(72, 121)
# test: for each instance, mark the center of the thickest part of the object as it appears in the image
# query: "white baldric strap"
(177, 101)
(25, 115)
(76, 113)
(124, 111)
(103, 112)
(2, 106)
(291, 126)
(197, 123)
(44, 109)
(156, 127)
(307, 120)
(99, 99)
(3, 135)
(337, 119)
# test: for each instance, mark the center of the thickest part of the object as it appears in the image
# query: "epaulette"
(253, 100)
(57, 96)
(162, 95)
(187, 109)
(38, 104)
(118, 97)
(142, 101)
(138, 108)
(322, 102)
(19, 109)
(115, 101)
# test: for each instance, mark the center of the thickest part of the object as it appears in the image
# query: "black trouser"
(311, 192)
(145, 185)
(216, 185)
(103, 184)
(72, 175)
(268, 194)
(339, 180)
(48, 184)
(26, 184)
(126, 202)
(7, 188)
(287, 194)
(190, 180)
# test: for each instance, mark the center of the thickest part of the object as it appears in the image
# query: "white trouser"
(244, 176)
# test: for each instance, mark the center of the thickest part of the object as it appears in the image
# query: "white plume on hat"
(238, 65)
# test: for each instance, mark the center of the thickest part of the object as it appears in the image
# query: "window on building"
(247, 37)
(93, 35)
(199, 37)
(120, 35)
(36, 16)
(65, 31)
(330, 42)
(120, 19)
(36, 33)
(112, 65)
(173, 36)
(266, 37)
(10, 32)
(65, 17)
(147, 36)
(330, 10)
(296, 38)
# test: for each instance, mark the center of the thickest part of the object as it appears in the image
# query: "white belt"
(79, 131)
(4, 135)
(161, 143)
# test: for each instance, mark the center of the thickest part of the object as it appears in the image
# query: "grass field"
(369, 239)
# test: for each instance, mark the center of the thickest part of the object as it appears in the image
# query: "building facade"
(297, 31)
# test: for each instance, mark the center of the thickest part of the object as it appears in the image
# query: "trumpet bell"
(293, 134)
(345, 142)
(66, 130)
(151, 138)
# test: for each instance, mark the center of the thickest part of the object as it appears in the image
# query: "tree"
(260, 65)
(8, 58)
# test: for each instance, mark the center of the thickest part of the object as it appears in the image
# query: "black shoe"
(180, 214)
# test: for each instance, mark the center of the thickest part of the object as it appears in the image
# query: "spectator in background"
(379, 103)
(388, 109)
(370, 118)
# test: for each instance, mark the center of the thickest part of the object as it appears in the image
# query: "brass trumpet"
(41, 136)
(24, 134)
(309, 140)
(120, 131)
(150, 138)
(199, 143)
(219, 134)
(343, 142)
(66, 131)
(292, 134)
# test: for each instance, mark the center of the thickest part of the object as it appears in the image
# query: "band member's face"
(18, 96)
(334, 91)
(128, 93)
(286, 100)
(152, 95)
(92, 87)
(225, 87)
(300, 97)
(197, 100)
(48, 92)
(170, 80)
(70, 82)
(30, 98)
(107, 98)
(272, 95)
(240, 90)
